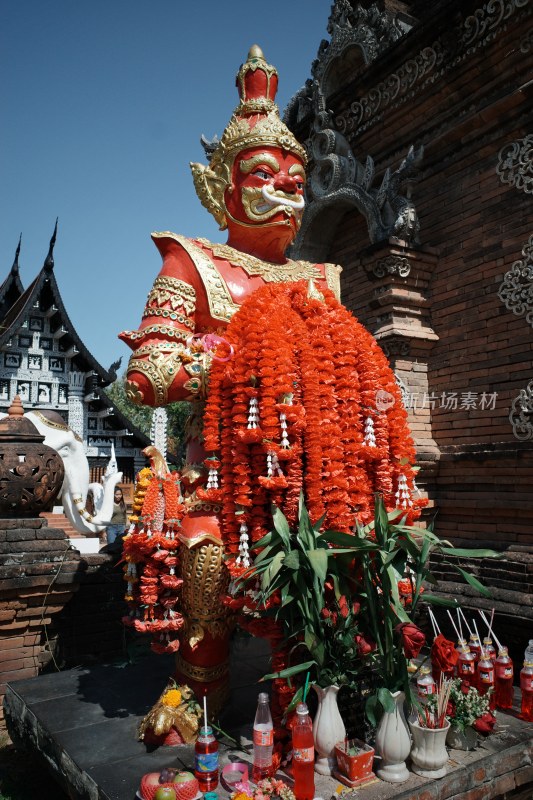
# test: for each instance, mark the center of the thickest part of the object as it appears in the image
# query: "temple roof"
(11, 288)
(44, 292)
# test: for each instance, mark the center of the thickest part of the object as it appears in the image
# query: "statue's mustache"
(273, 197)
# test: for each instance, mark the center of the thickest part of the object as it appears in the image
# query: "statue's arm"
(164, 367)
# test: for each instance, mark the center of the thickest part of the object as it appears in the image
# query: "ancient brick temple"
(418, 121)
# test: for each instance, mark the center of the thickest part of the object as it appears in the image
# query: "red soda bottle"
(303, 755)
(263, 740)
(425, 684)
(489, 648)
(206, 760)
(526, 685)
(503, 680)
(485, 679)
(475, 648)
(460, 644)
(466, 665)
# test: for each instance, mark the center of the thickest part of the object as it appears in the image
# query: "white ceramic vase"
(393, 743)
(429, 754)
(328, 728)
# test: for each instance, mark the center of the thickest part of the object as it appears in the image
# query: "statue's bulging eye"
(262, 174)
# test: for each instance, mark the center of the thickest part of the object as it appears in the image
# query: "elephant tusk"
(82, 511)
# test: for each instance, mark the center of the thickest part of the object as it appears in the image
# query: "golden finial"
(255, 52)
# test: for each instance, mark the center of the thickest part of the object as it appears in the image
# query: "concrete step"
(56, 520)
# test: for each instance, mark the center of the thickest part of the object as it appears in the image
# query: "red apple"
(150, 785)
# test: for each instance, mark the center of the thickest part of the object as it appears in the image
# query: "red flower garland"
(150, 566)
(313, 362)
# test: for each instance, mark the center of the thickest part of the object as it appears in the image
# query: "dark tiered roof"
(12, 288)
(44, 289)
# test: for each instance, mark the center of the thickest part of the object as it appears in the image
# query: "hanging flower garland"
(150, 555)
(308, 400)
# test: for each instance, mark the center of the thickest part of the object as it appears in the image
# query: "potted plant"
(354, 762)
(468, 713)
(341, 604)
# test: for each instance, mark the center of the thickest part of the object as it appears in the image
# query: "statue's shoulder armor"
(186, 260)
(332, 273)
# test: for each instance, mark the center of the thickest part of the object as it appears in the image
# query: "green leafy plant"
(303, 572)
(348, 601)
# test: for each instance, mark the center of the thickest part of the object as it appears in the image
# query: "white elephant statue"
(76, 483)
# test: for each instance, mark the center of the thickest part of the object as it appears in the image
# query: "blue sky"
(103, 103)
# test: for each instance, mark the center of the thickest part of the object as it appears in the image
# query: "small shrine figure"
(283, 380)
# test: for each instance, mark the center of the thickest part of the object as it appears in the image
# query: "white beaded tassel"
(370, 438)
(403, 496)
(253, 413)
(285, 444)
(212, 478)
(244, 555)
(273, 465)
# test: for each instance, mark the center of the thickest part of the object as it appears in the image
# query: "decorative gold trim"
(160, 371)
(201, 674)
(173, 291)
(333, 279)
(221, 305)
(163, 347)
(163, 329)
(56, 425)
(289, 272)
(149, 311)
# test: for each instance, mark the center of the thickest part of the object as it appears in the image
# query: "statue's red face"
(267, 190)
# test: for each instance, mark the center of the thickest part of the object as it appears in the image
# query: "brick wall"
(57, 608)
(463, 108)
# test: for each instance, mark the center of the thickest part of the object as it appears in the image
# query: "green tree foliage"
(141, 417)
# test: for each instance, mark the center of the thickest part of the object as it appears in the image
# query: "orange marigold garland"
(150, 555)
(330, 416)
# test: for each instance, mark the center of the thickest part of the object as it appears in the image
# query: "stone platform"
(82, 723)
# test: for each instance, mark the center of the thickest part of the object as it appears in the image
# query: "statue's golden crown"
(254, 123)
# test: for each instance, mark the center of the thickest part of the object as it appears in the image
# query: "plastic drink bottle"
(466, 665)
(303, 755)
(503, 680)
(526, 685)
(489, 648)
(475, 648)
(263, 740)
(425, 684)
(206, 760)
(528, 655)
(460, 644)
(485, 679)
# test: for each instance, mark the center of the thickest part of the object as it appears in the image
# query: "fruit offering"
(169, 784)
